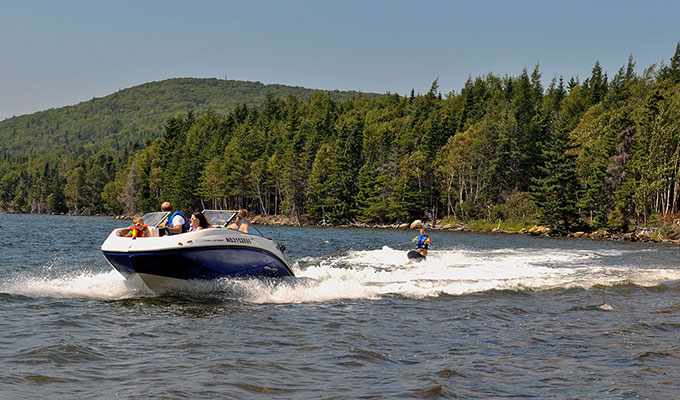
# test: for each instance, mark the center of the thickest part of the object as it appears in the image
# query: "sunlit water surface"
(486, 316)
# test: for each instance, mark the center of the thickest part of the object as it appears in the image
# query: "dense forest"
(599, 153)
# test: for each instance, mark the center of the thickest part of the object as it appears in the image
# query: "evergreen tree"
(573, 82)
(503, 171)
(596, 85)
(560, 93)
(536, 85)
(529, 133)
(555, 191)
(344, 168)
(318, 195)
(292, 175)
(630, 76)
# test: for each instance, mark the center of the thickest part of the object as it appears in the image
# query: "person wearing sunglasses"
(198, 221)
(137, 229)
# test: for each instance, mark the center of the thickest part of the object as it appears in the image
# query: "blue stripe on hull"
(203, 263)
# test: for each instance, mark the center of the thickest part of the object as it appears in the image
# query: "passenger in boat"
(240, 223)
(198, 222)
(176, 222)
(137, 229)
(422, 242)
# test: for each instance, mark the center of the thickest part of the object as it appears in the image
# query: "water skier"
(422, 242)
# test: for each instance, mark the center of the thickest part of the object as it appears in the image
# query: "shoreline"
(638, 235)
(645, 234)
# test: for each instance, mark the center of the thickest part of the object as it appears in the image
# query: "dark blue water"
(486, 316)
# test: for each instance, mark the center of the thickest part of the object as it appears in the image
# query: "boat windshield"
(218, 217)
(155, 218)
(230, 219)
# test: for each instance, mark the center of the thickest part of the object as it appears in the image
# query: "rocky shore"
(639, 235)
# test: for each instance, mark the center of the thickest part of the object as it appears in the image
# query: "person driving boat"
(176, 222)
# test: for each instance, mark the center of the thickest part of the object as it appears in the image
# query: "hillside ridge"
(130, 116)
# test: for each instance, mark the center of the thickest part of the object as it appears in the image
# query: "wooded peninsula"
(601, 153)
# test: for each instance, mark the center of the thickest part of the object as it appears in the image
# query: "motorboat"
(225, 250)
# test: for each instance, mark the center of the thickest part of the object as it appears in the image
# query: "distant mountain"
(130, 116)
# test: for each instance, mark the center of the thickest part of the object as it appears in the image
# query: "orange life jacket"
(144, 232)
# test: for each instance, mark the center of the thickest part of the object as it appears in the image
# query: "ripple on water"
(58, 354)
(363, 355)
(657, 356)
(448, 373)
(9, 298)
(257, 389)
(594, 307)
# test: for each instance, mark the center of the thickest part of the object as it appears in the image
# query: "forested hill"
(597, 153)
(130, 116)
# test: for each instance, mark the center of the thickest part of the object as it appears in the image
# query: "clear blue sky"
(57, 53)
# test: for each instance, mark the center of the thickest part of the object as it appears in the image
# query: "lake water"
(486, 316)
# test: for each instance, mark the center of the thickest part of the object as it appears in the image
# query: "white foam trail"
(104, 285)
(372, 274)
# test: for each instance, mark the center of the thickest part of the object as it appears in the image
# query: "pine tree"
(536, 85)
(573, 82)
(366, 197)
(529, 132)
(596, 84)
(344, 168)
(318, 201)
(560, 92)
(630, 76)
(555, 191)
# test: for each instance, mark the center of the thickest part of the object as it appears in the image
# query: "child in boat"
(137, 229)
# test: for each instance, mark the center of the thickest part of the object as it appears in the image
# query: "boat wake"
(376, 273)
(373, 274)
(108, 285)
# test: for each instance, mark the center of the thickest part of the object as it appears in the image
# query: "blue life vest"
(185, 225)
(420, 244)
